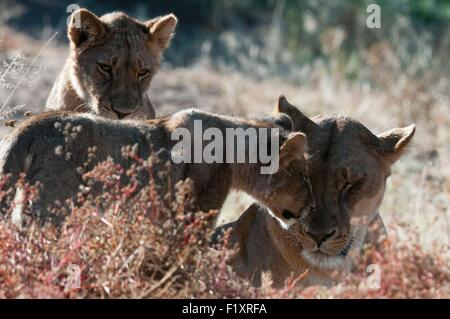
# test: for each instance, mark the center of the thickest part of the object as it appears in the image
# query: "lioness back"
(52, 149)
(112, 61)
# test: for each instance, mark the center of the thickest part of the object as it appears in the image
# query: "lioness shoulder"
(112, 61)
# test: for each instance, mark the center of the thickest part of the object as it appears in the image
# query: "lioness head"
(348, 167)
(114, 58)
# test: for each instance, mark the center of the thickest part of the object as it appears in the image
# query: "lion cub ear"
(394, 142)
(292, 149)
(162, 30)
(84, 27)
(300, 121)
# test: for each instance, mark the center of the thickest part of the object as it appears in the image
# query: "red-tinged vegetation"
(130, 242)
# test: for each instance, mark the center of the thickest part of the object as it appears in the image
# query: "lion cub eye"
(142, 73)
(288, 215)
(104, 68)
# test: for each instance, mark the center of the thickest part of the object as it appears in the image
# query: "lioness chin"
(348, 167)
(111, 63)
(31, 149)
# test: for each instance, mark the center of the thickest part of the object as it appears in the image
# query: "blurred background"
(236, 57)
(265, 37)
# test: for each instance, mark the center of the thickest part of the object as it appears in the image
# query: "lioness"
(31, 149)
(348, 167)
(112, 61)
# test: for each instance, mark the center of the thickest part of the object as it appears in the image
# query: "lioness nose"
(322, 236)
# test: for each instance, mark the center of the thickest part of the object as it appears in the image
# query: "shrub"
(128, 241)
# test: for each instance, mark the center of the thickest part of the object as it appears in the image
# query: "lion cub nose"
(124, 107)
(322, 236)
(121, 115)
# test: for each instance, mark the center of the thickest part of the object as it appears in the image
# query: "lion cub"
(112, 61)
(31, 149)
(348, 167)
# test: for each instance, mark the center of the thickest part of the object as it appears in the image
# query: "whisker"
(80, 106)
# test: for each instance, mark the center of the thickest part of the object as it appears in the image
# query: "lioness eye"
(352, 186)
(304, 179)
(143, 73)
(104, 67)
(348, 187)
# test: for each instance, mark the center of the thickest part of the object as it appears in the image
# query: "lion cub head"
(348, 167)
(288, 195)
(113, 59)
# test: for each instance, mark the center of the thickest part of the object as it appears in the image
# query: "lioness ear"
(394, 142)
(282, 106)
(161, 30)
(284, 121)
(292, 149)
(299, 120)
(84, 27)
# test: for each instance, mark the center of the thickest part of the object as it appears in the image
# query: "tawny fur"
(112, 61)
(347, 167)
(31, 149)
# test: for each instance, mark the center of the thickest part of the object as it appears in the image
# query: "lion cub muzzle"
(124, 105)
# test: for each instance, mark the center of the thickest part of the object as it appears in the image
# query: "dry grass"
(129, 243)
(416, 205)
